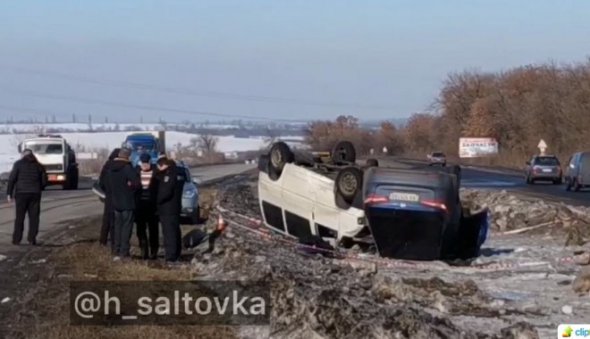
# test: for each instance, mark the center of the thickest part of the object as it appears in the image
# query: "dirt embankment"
(315, 296)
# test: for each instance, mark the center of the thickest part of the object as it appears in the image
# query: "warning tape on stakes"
(258, 228)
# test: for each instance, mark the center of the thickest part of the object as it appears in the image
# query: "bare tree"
(207, 143)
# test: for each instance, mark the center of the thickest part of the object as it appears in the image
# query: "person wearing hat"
(169, 200)
(145, 212)
(108, 213)
(122, 182)
(26, 182)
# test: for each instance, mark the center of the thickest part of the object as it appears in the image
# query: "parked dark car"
(577, 172)
(543, 168)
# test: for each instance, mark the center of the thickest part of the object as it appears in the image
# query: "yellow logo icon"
(567, 333)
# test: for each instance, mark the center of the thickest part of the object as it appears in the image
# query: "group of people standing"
(146, 195)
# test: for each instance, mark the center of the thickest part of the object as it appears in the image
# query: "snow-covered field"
(75, 127)
(88, 142)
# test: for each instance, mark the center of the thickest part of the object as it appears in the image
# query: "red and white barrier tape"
(265, 233)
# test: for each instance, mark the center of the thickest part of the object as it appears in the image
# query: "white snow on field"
(88, 142)
(74, 127)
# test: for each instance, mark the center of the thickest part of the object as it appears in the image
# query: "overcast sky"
(268, 59)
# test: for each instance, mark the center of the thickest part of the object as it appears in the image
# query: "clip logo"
(573, 331)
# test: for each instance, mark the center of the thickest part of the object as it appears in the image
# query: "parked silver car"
(543, 167)
(190, 195)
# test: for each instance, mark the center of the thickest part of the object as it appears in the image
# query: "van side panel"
(269, 192)
(298, 198)
(345, 222)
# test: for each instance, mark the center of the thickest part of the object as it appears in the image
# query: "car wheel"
(576, 186)
(557, 181)
(372, 163)
(344, 152)
(348, 183)
(280, 154)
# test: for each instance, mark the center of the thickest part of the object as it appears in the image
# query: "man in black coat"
(26, 182)
(170, 184)
(108, 215)
(145, 215)
(123, 181)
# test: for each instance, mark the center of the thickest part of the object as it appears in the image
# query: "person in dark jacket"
(26, 182)
(108, 215)
(122, 181)
(169, 186)
(145, 215)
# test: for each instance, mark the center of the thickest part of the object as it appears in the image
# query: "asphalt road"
(512, 181)
(59, 206)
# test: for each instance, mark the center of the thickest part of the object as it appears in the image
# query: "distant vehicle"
(543, 167)
(152, 143)
(577, 172)
(57, 157)
(437, 158)
(407, 214)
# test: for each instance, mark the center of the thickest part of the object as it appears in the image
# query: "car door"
(528, 166)
(584, 168)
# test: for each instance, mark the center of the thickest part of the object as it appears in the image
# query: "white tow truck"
(57, 157)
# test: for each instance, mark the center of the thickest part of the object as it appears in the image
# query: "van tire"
(279, 155)
(348, 183)
(344, 152)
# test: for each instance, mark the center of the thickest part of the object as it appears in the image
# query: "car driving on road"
(437, 158)
(543, 168)
(409, 214)
(577, 172)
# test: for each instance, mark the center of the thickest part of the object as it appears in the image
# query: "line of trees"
(518, 107)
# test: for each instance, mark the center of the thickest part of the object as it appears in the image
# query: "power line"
(185, 91)
(160, 109)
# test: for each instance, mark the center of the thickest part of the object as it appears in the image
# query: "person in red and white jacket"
(145, 215)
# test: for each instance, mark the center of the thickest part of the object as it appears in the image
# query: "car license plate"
(547, 170)
(404, 197)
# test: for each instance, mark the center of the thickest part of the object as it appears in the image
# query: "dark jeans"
(108, 220)
(171, 232)
(122, 233)
(27, 203)
(147, 230)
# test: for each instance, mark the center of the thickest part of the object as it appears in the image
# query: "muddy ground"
(518, 281)
(320, 297)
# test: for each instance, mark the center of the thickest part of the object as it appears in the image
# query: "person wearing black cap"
(169, 200)
(108, 215)
(123, 181)
(145, 213)
(26, 182)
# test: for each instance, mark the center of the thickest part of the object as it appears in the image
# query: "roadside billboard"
(477, 147)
